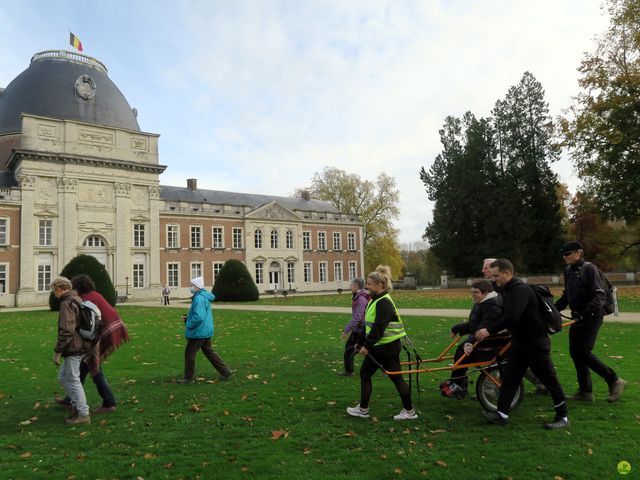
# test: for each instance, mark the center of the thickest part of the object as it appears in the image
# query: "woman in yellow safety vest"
(381, 340)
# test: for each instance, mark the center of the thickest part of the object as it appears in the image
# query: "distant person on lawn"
(382, 341)
(199, 331)
(355, 327)
(72, 348)
(112, 334)
(166, 291)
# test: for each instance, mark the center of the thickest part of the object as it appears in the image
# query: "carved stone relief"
(67, 184)
(47, 190)
(97, 138)
(122, 189)
(27, 182)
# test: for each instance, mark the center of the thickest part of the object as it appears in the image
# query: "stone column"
(67, 232)
(122, 267)
(155, 204)
(26, 292)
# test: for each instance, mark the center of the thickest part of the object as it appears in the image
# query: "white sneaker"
(358, 412)
(406, 415)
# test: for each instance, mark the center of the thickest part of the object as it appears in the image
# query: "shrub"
(89, 266)
(234, 283)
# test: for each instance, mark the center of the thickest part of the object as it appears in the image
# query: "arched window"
(93, 241)
(274, 239)
(289, 239)
(257, 238)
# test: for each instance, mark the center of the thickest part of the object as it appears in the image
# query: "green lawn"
(629, 299)
(283, 413)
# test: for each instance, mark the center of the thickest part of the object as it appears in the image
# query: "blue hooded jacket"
(200, 317)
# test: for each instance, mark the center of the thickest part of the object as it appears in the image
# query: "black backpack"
(609, 306)
(89, 320)
(549, 314)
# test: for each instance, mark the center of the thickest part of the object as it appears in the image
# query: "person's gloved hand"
(468, 348)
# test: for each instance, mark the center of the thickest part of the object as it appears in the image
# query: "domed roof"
(65, 85)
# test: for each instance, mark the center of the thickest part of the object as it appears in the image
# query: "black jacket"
(481, 316)
(521, 314)
(583, 291)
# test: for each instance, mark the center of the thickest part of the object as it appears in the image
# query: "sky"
(256, 96)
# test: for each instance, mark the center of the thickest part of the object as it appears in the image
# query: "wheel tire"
(487, 392)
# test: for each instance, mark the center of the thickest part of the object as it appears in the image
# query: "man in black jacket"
(585, 295)
(530, 346)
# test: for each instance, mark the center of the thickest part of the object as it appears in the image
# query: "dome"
(65, 85)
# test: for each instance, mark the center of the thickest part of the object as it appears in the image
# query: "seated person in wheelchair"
(487, 309)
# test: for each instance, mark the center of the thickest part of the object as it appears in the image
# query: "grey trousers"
(69, 378)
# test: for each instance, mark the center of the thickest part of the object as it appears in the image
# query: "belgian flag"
(75, 41)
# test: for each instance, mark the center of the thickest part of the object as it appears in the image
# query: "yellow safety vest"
(394, 330)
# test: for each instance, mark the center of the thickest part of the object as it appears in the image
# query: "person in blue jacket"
(199, 331)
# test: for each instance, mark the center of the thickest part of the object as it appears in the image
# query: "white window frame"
(353, 270)
(322, 272)
(173, 274)
(137, 275)
(4, 231)
(337, 272)
(45, 233)
(322, 241)
(94, 241)
(306, 240)
(259, 273)
(217, 236)
(238, 236)
(4, 277)
(274, 237)
(195, 231)
(291, 272)
(139, 235)
(351, 241)
(307, 272)
(289, 239)
(44, 277)
(216, 267)
(257, 238)
(173, 236)
(196, 269)
(337, 241)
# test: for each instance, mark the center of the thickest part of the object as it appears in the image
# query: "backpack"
(610, 304)
(89, 320)
(549, 314)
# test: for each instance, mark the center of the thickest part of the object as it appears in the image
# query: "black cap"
(571, 247)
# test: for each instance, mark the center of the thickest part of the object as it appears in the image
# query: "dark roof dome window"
(67, 86)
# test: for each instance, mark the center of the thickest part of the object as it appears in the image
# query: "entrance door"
(274, 276)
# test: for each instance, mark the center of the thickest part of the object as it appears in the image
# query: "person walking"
(199, 331)
(381, 344)
(353, 329)
(71, 347)
(113, 333)
(530, 346)
(166, 291)
(585, 296)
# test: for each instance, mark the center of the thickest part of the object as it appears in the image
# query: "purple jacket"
(358, 306)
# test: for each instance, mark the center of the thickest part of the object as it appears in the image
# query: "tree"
(375, 203)
(88, 265)
(234, 283)
(604, 123)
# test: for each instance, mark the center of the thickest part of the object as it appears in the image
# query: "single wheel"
(487, 392)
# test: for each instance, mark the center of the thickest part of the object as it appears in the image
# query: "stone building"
(78, 176)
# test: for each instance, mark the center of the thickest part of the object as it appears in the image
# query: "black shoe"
(495, 418)
(186, 380)
(226, 375)
(557, 423)
(583, 396)
(345, 374)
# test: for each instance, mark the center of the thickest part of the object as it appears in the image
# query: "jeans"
(69, 378)
(204, 344)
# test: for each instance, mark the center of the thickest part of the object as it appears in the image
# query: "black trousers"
(536, 355)
(349, 352)
(582, 339)
(391, 363)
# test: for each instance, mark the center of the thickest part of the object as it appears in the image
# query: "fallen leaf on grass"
(195, 408)
(277, 434)
(36, 405)
(148, 456)
(590, 452)
(26, 455)
(331, 403)
(226, 413)
(244, 469)
(439, 430)
(383, 456)
(485, 439)
(306, 451)
(82, 434)
(558, 477)
(168, 465)
(440, 463)
(28, 421)
(397, 470)
(350, 433)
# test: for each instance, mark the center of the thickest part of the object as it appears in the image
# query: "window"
(173, 235)
(218, 237)
(307, 272)
(353, 270)
(322, 271)
(3, 278)
(138, 275)
(196, 269)
(306, 240)
(289, 239)
(257, 238)
(274, 239)
(173, 275)
(4, 229)
(217, 266)
(259, 273)
(351, 241)
(45, 234)
(93, 241)
(291, 269)
(44, 277)
(237, 238)
(337, 271)
(337, 241)
(138, 235)
(322, 240)
(196, 236)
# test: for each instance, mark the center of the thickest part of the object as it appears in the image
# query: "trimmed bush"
(89, 266)
(234, 283)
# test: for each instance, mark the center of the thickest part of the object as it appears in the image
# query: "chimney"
(305, 195)
(192, 184)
